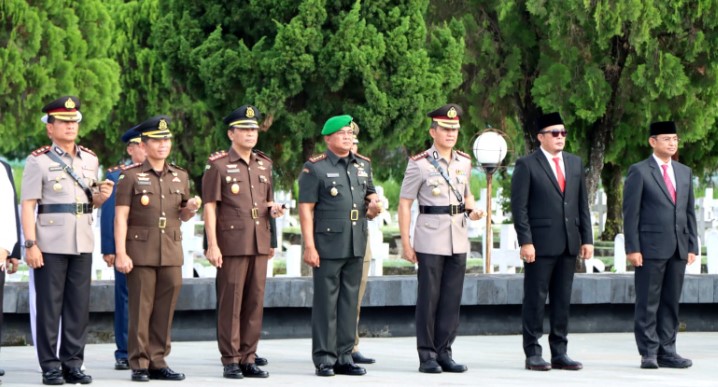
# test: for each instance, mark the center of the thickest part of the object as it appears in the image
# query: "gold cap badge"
(162, 125)
(69, 104)
(451, 113)
(250, 112)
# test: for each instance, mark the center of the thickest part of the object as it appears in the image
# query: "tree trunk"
(612, 179)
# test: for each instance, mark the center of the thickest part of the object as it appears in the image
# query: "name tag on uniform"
(144, 182)
(233, 170)
(332, 174)
(55, 168)
(362, 173)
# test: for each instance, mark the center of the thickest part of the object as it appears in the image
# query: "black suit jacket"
(552, 221)
(15, 253)
(652, 224)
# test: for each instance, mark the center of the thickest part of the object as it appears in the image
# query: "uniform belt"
(451, 210)
(328, 214)
(69, 208)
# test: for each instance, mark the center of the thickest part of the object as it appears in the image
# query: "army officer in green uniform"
(336, 196)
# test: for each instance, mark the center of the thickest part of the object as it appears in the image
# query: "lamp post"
(490, 149)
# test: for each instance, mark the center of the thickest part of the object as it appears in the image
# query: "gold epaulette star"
(420, 156)
(460, 153)
(362, 157)
(41, 150)
(218, 155)
(318, 157)
(87, 150)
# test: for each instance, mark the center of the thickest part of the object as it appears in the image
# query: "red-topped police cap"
(447, 116)
(246, 116)
(65, 108)
(663, 127)
(548, 119)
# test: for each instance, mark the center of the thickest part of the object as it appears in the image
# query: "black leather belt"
(73, 208)
(451, 210)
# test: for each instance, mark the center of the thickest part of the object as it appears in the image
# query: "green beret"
(335, 123)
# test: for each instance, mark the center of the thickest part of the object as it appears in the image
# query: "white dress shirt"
(8, 236)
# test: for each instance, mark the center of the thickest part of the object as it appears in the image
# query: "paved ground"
(609, 360)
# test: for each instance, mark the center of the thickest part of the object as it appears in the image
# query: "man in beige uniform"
(239, 203)
(439, 179)
(356, 355)
(151, 200)
(60, 181)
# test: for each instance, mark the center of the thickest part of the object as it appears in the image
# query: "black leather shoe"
(449, 365)
(349, 369)
(673, 361)
(140, 375)
(165, 374)
(53, 377)
(649, 362)
(252, 371)
(76, 376)
(537, 363)
(2, 372)
(564, 362)
(358, 358)
(430, 366)
(260, 361)
(232, 371)
(324, 370)
(122, 364)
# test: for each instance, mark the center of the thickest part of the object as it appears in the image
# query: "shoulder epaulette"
(115, 168)
(318, 157)
(362, 157)
(262, 155)
(173, 165)
(41, 150)
(126, 167)
(420, 156)
(460, 153)
(88, 150)
(218, 155)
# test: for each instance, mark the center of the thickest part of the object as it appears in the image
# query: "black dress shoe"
(140, 375)
(252, 371)
(324, 370)
(449, 365)
(53, 377)
(564, 362)
(165, 374)
(260, 361)
(430, 366)
(349, 369)
(674, 361)
(122, 364)
(358, 358)
(537, 363)
(649, 362)
(232, 371)
(76, 376)
(2, 372)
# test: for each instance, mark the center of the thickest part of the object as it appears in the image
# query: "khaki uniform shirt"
(45, 180)
(339, 187)
(241, 191)
(439, 234)
(153, 237)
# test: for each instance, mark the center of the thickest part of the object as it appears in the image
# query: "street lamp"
(490, 149)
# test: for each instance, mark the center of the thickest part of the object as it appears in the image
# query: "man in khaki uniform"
(60, 180)
(356, 355)
(151, 200)
(239, 204)
(439, 178)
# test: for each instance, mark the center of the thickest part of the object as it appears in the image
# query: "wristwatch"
(29, 243)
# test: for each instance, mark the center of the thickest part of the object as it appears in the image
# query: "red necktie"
(669, 183)
(559, 175)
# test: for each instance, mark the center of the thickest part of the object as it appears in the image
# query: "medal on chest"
(435, 190)
(145, 199)
(334, 191)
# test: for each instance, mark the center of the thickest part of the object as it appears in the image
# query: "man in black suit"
(659, 223)
(552, 221)
(9, 240)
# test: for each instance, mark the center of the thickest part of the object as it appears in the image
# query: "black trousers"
(552, 277)
(659, 283)
(441, 283)
(334, 310)
(62, 286)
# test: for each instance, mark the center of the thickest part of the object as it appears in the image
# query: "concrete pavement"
(610, 359)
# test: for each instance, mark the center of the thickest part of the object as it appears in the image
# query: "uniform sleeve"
(107, 219)
(632, 194)
(412, 181)
(270, 191)
(32, 180)
(186, 194)
(211, 185)
(308, 184)
(370, 189)
(520, 191)
(123, 193)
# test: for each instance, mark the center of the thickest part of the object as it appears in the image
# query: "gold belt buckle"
(79, 209)
(453, 209)
(163, 222)
(354, 215)
(255, 213)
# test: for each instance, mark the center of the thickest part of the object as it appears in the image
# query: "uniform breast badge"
(234, 188)
(334, 191)
(145, 200)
